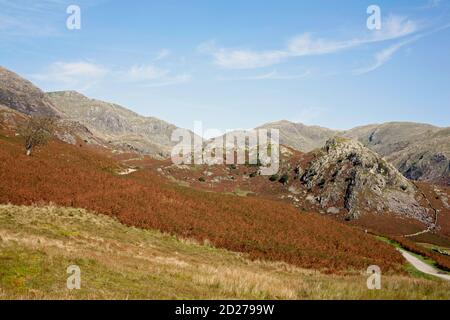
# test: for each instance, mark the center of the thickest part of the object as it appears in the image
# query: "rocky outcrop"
(345, 174)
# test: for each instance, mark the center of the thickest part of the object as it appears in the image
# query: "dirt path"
(127, 171)
(434, 225)
(422, 266)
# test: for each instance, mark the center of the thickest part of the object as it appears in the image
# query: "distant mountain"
(116, 124)
(299, 136)
(81, 118)
(21, 95)
(419, 151)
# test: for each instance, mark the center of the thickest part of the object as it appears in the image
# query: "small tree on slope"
(38, 131)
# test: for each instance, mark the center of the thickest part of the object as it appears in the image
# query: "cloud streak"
(74, 75)
(394, 27)
(82, 75)
(386, 55)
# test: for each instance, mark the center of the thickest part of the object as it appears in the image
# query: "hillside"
(119, 126)
(76, 176)
(118, 262)
(343, 180)
(303, 226)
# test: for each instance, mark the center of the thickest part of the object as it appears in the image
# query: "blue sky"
(238, 64)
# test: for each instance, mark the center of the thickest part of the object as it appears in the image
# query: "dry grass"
(120, 262)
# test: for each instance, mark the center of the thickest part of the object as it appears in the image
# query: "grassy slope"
(119, 262)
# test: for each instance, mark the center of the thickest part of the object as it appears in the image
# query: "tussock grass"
(37, 244)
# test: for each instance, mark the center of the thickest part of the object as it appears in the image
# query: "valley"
(103, 194)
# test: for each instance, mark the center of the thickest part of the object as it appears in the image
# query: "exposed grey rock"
(21, 95)
(333, 210)
(346, 171)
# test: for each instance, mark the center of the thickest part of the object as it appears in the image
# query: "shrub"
(37, 132)
(274, 178)
(284, 179)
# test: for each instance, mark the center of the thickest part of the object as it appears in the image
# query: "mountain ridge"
(116, 124)
(420, 151)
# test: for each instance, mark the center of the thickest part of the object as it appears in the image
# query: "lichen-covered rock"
(346, 174)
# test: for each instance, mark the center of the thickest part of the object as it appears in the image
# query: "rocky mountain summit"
(21, 95)
(345, 174)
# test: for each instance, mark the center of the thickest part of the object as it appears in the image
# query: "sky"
(235, 64)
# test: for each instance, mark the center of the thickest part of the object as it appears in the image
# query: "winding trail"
(432, 226)
(422, 266)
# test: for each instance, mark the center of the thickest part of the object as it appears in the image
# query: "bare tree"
(38, 131)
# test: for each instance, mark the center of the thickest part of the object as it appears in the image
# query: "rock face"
(115, 124)
(346, 174)
(21, 95)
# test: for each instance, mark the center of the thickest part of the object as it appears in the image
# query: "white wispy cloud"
(241, 59)
(83, 75)
(162, 54)
(154, 76)
(381, 58)
(385, 55)
(140, 73)
(73, 75)
(393, 27)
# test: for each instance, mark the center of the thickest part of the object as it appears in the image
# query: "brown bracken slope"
(77, 176)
